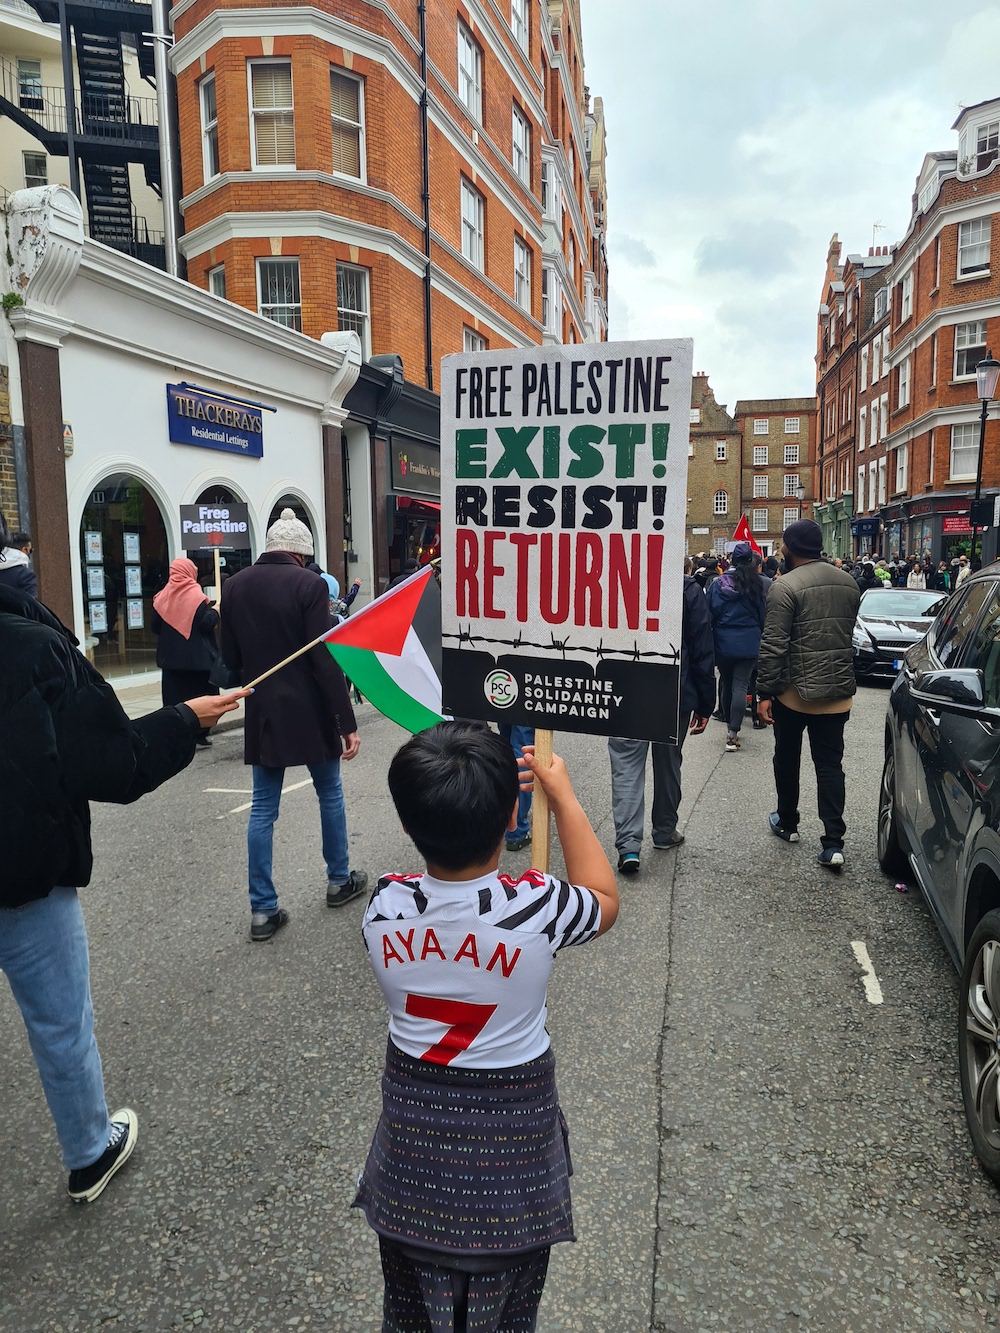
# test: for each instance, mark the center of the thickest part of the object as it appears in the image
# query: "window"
(848, 403)
(572, 258)
(791, 455)
(864, 369)
(789, 516)
(217, 281)
(862, 426)
(902, 466)
(36, 171)
(209, 128)
(694, 416)
(29, 85)
(546, 187)
(984, 653)
(951, 634)
(872, 482)
(271, 113)
(352, 304)
(551, 301)
(760, 520)
(850, 306)
(874, 439)
(473, 213)
(861, 488)
(720, 451)
(347, 122)
(690, 450)
(903, 384)
(964, 451)
(521, 145)
(522, 274)
(937, 262)
(519, 22)
(881, 303)
(930, 455)
(792, 425)
(986, 145)
(883, 416)
(470, 73)
(791, 483)
(906, 298)
(278, 294)
(719, 545)
(830, 490)
(934, 342)
(974, 246)
(760, 455)
(473, 341)
(876, 346)
(720, 505)
(885, 352)
(970, 347)
(882, 497)
(760, 487)
(761, 426)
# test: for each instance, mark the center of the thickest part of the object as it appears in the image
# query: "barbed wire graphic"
(563, 646)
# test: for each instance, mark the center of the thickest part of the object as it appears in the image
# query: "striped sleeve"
(564, 913)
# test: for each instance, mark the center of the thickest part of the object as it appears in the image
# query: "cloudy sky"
(742, 134)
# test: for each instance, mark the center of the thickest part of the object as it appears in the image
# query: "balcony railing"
(98, 115)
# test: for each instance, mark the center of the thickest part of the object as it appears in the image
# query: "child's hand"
(554, 781)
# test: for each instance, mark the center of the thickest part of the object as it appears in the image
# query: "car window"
(951, 633)
(984, 651)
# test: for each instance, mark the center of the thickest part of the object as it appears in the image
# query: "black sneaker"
(86, 1184)
(673, 841)
(339, 894)
(628, 863)
(517, 844)
(779, 830)
(262, 926)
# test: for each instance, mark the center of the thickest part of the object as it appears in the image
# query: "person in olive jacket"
(805, 681)
(300, 715)
(65, 741)
(184, 622)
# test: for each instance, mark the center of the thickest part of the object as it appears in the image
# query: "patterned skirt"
(469, 1162)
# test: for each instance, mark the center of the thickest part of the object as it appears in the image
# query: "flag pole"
(285, 660)
(540, 824)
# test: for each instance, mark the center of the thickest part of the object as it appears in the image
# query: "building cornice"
(958, 414)
(318, 177)
(988, 308)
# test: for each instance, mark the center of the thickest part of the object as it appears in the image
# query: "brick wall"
(8, 481)
(707, 473)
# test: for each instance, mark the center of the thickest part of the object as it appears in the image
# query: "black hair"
(454, 788)
(746, 580)
(21, 538)
(5, 538)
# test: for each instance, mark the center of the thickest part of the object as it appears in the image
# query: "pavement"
(137, 700)
(756, 1145)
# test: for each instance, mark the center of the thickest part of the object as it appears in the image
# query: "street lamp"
(987, 374)
(800, 491)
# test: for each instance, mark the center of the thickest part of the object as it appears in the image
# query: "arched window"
(721, 502)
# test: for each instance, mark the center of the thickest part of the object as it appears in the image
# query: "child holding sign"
(467, 1180)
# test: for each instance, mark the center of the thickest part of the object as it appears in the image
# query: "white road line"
(873, 991)
(230, 791)
(238, 809)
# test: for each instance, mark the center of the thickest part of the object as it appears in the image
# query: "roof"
(975, 107)
(748, 405)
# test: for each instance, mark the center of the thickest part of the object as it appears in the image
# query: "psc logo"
(500, 688)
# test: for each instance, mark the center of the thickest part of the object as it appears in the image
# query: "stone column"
(336, 500)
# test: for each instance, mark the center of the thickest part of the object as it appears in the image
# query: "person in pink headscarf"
(185, 623)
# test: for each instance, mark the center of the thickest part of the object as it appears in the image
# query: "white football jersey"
(464, 965)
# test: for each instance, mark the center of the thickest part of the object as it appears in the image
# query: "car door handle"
(934, 716)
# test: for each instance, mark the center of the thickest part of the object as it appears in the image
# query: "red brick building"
(328, 186)
(778, 448)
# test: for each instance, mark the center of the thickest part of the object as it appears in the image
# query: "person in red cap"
(805, 682)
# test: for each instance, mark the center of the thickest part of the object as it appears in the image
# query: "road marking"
(230, 791)
(238, 809)
(873, 991)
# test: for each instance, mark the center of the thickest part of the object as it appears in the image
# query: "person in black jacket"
(65, 741)
(628, 757)
(15, 564)
(186, 650)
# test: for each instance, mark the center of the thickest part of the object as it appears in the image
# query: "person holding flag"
(299, 715)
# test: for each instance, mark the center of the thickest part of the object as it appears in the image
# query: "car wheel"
(979, 1041)
(891, 855)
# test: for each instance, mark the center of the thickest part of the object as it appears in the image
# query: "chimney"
(871, 251)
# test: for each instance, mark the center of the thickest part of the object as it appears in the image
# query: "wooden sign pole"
(540, 823)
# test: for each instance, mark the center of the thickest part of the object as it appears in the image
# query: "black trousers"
(826, 742)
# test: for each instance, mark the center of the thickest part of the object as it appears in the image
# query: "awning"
(410, 502)
(865, 527)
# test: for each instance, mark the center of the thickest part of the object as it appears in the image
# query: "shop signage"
(415, 469)
(225, 526)
(563, 507)
(955, 525)
(210, 421)
(865, 527)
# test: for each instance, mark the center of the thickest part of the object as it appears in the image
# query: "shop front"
(169, 400)
(866, 533)
(938, 526)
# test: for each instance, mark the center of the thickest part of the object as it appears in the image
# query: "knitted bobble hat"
(289, 534)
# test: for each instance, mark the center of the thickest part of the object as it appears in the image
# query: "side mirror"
(965, 688)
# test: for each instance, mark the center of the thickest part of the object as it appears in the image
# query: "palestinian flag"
(391, 650)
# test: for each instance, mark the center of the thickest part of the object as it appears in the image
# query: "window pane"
(217, 281)
(280, 299)
(35, 170)
(271, 85)
(209, 113)
(346, 150)
(984, 652)
(345, 97)
(952, 633)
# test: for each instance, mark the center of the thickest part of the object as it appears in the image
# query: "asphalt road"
(756, 1145)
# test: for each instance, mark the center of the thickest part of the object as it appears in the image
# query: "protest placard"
(563, 503)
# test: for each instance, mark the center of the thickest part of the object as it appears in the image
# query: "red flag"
(743, 534)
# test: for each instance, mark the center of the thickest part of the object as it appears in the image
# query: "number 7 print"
(464, 1022)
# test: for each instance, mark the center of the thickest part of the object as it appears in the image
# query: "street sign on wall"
(564, 498)
(214, 421)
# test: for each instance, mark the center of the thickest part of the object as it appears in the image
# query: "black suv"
(939, 814)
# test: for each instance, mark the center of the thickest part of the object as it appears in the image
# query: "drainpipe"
(69, 94)
(425, 196)
(166, 107)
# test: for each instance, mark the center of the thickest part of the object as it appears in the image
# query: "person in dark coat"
(300, 715)
(628, 757)
(65, 741)
(186, 650)
(736, 605)
(15, 564)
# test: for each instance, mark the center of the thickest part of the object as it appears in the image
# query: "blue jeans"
(43, 951)
(518, 737)
(267, 784)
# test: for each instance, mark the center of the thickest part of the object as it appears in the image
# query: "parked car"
(890, 621)
(939, 818)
